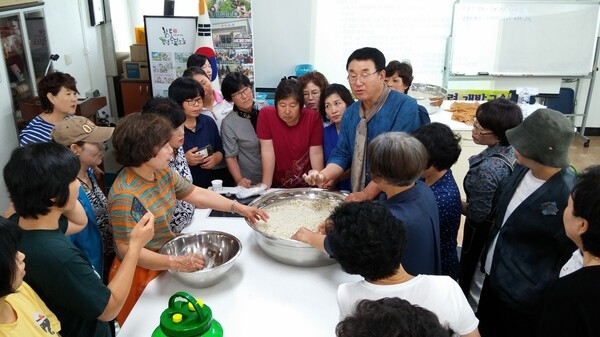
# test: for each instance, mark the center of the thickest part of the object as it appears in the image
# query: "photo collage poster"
(232, 36)
(170, 41)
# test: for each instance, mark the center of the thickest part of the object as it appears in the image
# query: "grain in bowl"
(286, 217)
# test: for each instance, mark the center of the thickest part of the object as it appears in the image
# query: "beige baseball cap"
(80, 129)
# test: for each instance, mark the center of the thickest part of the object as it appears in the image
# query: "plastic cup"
(217, 184)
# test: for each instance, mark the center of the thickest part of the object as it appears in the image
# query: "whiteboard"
(524, 38)
(415, 30)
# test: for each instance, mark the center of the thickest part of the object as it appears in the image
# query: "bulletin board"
(524, 38)
(170, 41)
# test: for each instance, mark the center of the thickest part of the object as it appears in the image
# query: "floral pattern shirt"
(447, 197)
(183, 211)
(487, 172)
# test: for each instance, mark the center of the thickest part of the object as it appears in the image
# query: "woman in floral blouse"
(488, 170)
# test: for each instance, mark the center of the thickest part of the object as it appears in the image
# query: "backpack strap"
(505, 160)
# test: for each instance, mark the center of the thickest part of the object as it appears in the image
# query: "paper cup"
(217, 184)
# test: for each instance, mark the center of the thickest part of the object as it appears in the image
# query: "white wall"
(283, 32)
(69, 32)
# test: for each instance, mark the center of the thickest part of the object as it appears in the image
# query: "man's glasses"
(244, 92)
(363, 77)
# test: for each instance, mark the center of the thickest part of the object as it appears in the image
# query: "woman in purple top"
(334, 101)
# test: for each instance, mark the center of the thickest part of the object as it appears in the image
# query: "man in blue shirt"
(378, 110)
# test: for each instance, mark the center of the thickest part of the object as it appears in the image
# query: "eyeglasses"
(194, 101)
(244, 92)
(363, 77)
(477, 129)
(314, 93)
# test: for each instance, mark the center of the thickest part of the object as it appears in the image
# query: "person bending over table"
(42, 182)
(166, 107)
(378, 110)
(141, 144)
(291, 138)
(368, 240)
(408, 198)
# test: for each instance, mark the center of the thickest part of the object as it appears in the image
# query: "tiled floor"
(582, 157)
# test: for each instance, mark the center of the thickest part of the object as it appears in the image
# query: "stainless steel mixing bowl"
(219, 249)
(428, 95)
(290, 251)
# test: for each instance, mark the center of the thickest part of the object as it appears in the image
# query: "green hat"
(544, 136)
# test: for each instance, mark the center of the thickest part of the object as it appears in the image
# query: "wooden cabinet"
(135, 94)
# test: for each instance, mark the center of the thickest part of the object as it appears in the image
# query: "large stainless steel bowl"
(290, 251)
(219, 249)
(428, 95)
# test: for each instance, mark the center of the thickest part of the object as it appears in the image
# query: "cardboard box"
(135, 70)
(4, 3)
(138, 53)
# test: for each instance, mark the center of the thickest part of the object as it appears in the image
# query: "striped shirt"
(37, 131)
(157, 196)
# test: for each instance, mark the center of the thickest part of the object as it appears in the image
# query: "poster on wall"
(232, 36)
(170, 41)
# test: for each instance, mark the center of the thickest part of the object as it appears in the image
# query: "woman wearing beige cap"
(86, 140)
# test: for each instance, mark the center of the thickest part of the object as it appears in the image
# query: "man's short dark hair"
(138, 138)
(233, 83)
(586, 204)
(10, 234)
(391, 317)
(443, 145)
(37, 177)
(167, 108)
(184, 88)
(366, 239)
(368, 53)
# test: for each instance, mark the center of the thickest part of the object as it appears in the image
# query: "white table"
(258, 296)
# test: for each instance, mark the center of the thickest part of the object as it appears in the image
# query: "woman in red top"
(291, 138)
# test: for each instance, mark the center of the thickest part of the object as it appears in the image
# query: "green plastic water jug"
(190, 318)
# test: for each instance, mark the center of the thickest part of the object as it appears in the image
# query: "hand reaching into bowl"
(252, 214)
(314, 239)
(186, 263)
(314, 177)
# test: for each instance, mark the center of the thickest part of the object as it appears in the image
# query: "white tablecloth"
(257, 297)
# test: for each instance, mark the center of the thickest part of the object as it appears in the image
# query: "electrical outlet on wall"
(68, 59)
